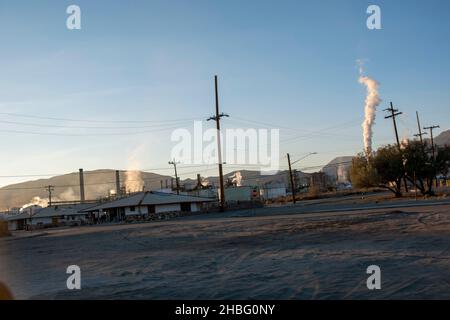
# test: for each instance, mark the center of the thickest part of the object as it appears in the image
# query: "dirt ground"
(304, 256)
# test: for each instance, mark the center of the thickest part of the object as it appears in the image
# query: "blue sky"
(290, 64)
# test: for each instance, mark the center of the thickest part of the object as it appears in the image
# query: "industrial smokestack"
(82, 198)
(118, 189)
(199, 181)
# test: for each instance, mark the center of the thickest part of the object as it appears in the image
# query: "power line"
(93, 121)
(89, 127)
(86, 134)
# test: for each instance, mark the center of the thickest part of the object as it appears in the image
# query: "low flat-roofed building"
(149, 203)
(57, 215)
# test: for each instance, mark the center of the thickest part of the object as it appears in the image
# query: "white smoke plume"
(370, 109)
(237, 179)
(404, 143)
(35, 201)
(67, 195)
(133, 176)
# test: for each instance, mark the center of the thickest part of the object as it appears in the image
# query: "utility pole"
(217, 118)
(291, 177)
(432, 147)
(176, 174)
(393, 114)
(420, 134)
(432, 138)
(49, 189)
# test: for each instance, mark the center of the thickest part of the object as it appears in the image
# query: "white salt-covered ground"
(305, 256)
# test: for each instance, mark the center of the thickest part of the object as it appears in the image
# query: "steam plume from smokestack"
(370, 108)
(237, 179)
(133, 176)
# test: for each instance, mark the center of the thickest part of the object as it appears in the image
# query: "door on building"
(151, 209)
(122, 214)
(20, 224)
(186, 207)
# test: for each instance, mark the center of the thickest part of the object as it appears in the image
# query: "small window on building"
(132, 209)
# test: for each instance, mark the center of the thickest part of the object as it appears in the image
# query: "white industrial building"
(273, 191)
(58, 215)
(241, 194)
(147, 204)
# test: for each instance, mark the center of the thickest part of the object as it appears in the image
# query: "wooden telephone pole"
(420, 134)
(217, 118)
(49, 189)
(291, 177)
(176, 174)
(431, 128)
(433, 150)
(393, 113)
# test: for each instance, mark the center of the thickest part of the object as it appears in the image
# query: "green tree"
(388, 162)
(443, 161)
(422, 168)
(362, 174)
(419, 166)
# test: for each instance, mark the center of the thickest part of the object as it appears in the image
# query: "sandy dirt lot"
(304, 256)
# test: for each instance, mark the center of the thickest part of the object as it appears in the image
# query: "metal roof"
(61, 210)
(53, 211)
(148, 198)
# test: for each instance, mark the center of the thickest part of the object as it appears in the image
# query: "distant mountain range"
(443, 138)
(98, 183)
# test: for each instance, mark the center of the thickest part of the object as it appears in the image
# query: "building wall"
(43, 221)
(167, 207)
(195, 207)
(46, 221)
(273, 193)
(243, 193)
(12, 225)
(142, 210)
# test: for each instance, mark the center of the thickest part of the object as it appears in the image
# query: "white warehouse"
(149, 203)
